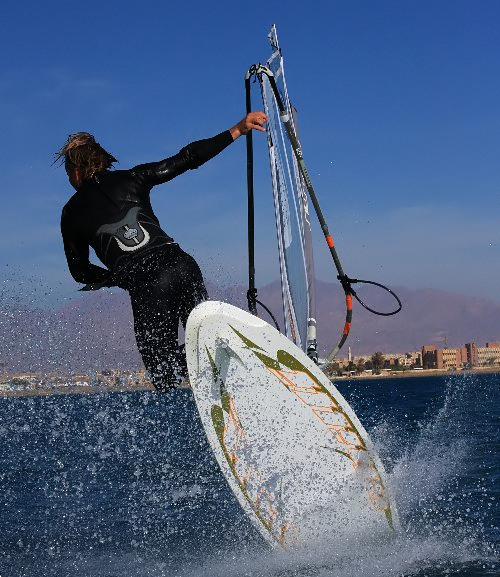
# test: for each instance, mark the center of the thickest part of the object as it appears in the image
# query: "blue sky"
(399, 105)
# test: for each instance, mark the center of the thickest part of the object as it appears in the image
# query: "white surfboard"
(293, 451)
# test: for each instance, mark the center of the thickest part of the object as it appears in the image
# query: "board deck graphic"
(293, 451)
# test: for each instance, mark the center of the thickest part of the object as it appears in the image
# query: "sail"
(291, 211)
(292, 187)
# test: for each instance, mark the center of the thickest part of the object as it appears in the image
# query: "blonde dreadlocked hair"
(82, 150)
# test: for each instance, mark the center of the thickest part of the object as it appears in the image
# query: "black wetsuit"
(111, 212)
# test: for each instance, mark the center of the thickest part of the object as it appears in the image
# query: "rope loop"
(346, 283)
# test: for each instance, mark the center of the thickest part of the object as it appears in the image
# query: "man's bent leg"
(173, 287)
(156, 337)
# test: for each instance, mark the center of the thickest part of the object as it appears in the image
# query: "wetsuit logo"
(129, 234)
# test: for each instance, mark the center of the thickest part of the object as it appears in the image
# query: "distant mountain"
(428, 317)
(96, 331)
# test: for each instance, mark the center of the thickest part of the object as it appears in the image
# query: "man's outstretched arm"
(197, 153)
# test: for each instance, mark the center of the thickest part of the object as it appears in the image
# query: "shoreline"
(423, 373)
(86, 389)
(73, 390)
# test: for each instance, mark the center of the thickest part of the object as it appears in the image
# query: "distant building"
(445, 359)
(472, 356)
(488, 356)
(416, 358)
(468, 356)
(432, 357)
(408, 360)
(454, 358)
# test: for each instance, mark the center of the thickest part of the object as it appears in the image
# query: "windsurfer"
(112, 213)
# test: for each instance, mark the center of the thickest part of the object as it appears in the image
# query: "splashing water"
(441, 494)
(125, 484)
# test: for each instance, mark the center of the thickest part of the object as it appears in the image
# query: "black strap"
(347, 283)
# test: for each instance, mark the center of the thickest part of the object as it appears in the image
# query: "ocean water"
(124, 484)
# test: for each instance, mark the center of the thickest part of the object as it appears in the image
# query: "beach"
(145, 385)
